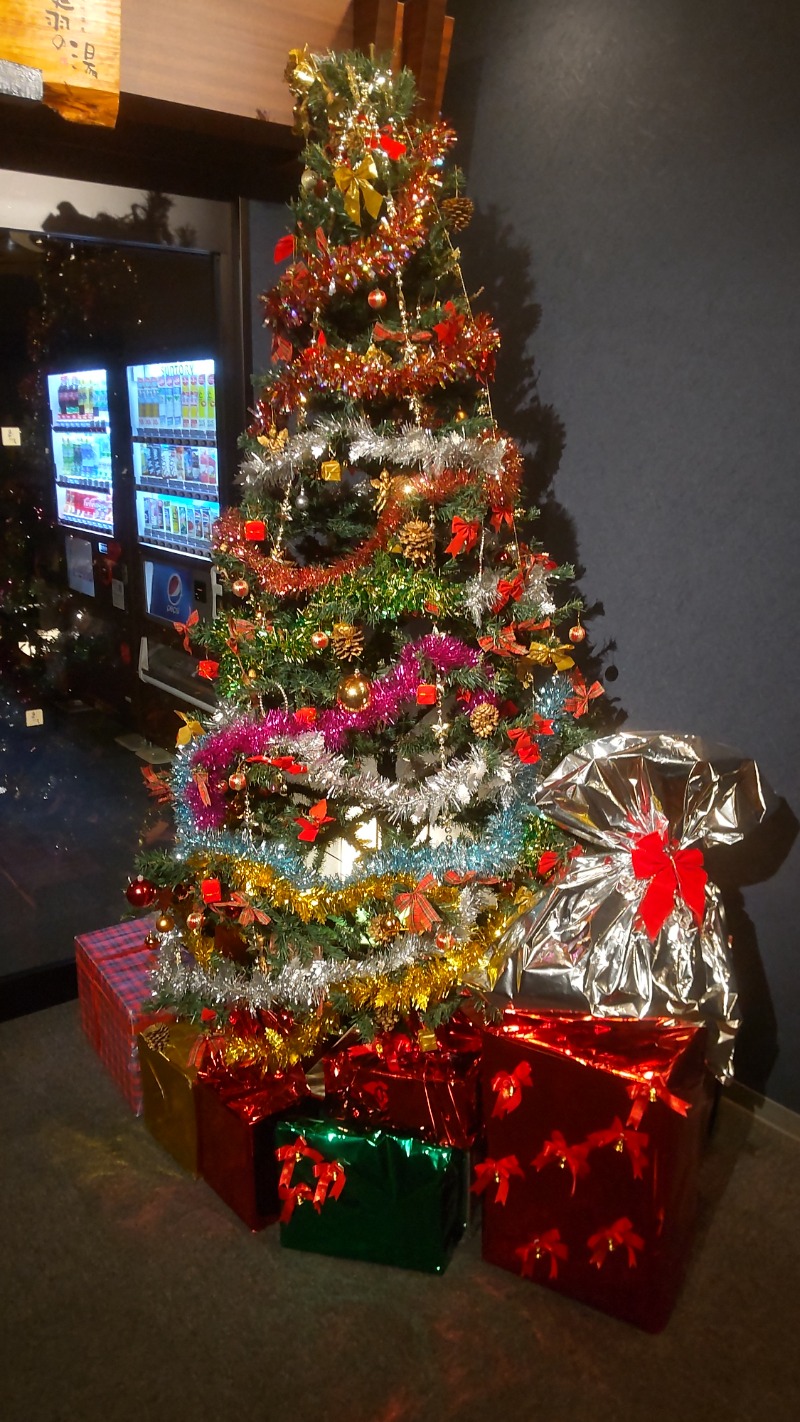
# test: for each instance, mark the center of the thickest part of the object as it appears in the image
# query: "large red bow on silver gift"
(673, 873)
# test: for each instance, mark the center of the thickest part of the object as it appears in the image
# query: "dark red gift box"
(394, 1083)
(236, 1122)
(113, 966)
(594, 1132)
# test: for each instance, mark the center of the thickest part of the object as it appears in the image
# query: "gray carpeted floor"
(131, 1292)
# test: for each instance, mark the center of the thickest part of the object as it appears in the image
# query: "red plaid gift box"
(113, 983)
(594, 1131)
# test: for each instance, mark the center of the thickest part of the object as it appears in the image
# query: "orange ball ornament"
(240, 587)
(577, 633)
(319, 640)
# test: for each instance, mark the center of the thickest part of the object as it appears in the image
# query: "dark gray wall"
(638, 161)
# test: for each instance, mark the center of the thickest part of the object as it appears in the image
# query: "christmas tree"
(355, 826)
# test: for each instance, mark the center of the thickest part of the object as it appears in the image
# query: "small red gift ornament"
(426, 694)
(255, 530)
(210, 891)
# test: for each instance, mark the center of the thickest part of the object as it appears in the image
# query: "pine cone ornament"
(485, 719)
(347, 640)
(457, 213)
(383, 928)
(417, 541)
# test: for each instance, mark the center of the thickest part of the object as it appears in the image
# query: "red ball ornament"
(319, 640)
(237, 780)
(377, 299)
(140, 893)
(194, 921)
(240, 587)
(576, 633)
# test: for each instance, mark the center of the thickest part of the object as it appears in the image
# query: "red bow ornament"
(184, 628)
(292, 1196)
(643, 1093)
(247, 912)
(578, 703)
(569, 1157)
(394, 148)
(311, 824)
(526, 749)
(451, 326)
(465, 535)
(415, 909)
(673, 873)
(623, 1140)
(508, 1086)
(605, 1241)
(508, 590)
(543, 1246)
(501, 516)
(498, 1172)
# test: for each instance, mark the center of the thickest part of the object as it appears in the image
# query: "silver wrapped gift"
(633, 928)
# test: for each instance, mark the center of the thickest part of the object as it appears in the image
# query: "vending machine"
(81, 443)
(176, 484)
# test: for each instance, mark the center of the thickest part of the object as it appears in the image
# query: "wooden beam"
(423, 34)
(375, 23)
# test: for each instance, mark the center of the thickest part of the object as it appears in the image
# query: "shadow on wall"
(508, 293)
(146, 222)
(504, 264)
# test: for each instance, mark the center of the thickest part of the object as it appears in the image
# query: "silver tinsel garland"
(410, 446)
(451, 788)
(300, 987)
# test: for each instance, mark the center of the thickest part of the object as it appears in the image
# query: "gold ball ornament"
(237, 780)
(417, 541)
(384, 928)
(164, 923)
(152, 940)
(252, 674)
(240, 587)
(354, 692)
(319, 640)
(348, 641)
(484, 720)
(460, 416)
(577, 633)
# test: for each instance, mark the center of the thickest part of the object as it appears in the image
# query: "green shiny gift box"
(369, 1194)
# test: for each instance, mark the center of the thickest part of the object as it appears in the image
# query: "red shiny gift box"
(113, 987)
(594, 1132)
(236, 1122)
(394, 1083)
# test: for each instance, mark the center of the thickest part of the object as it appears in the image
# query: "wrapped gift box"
(236, 1122)
(113, 987)
(594, 1132)
(394, 1083)
(369, 1194)
(169, 1055)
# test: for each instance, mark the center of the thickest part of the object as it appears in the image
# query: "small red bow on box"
(288, 1157)
(311, 824)
(415, 909)
(673, 873)
(183, 628)
(292, 1196)
(544, 1246)
(605, 1241)
(567, 1156)
(508, 590)
(642, 1093)
(330, 1177)
(508, 1086)
(498, 1172)
(578, 704)
(622, 1139)
(465, 535)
